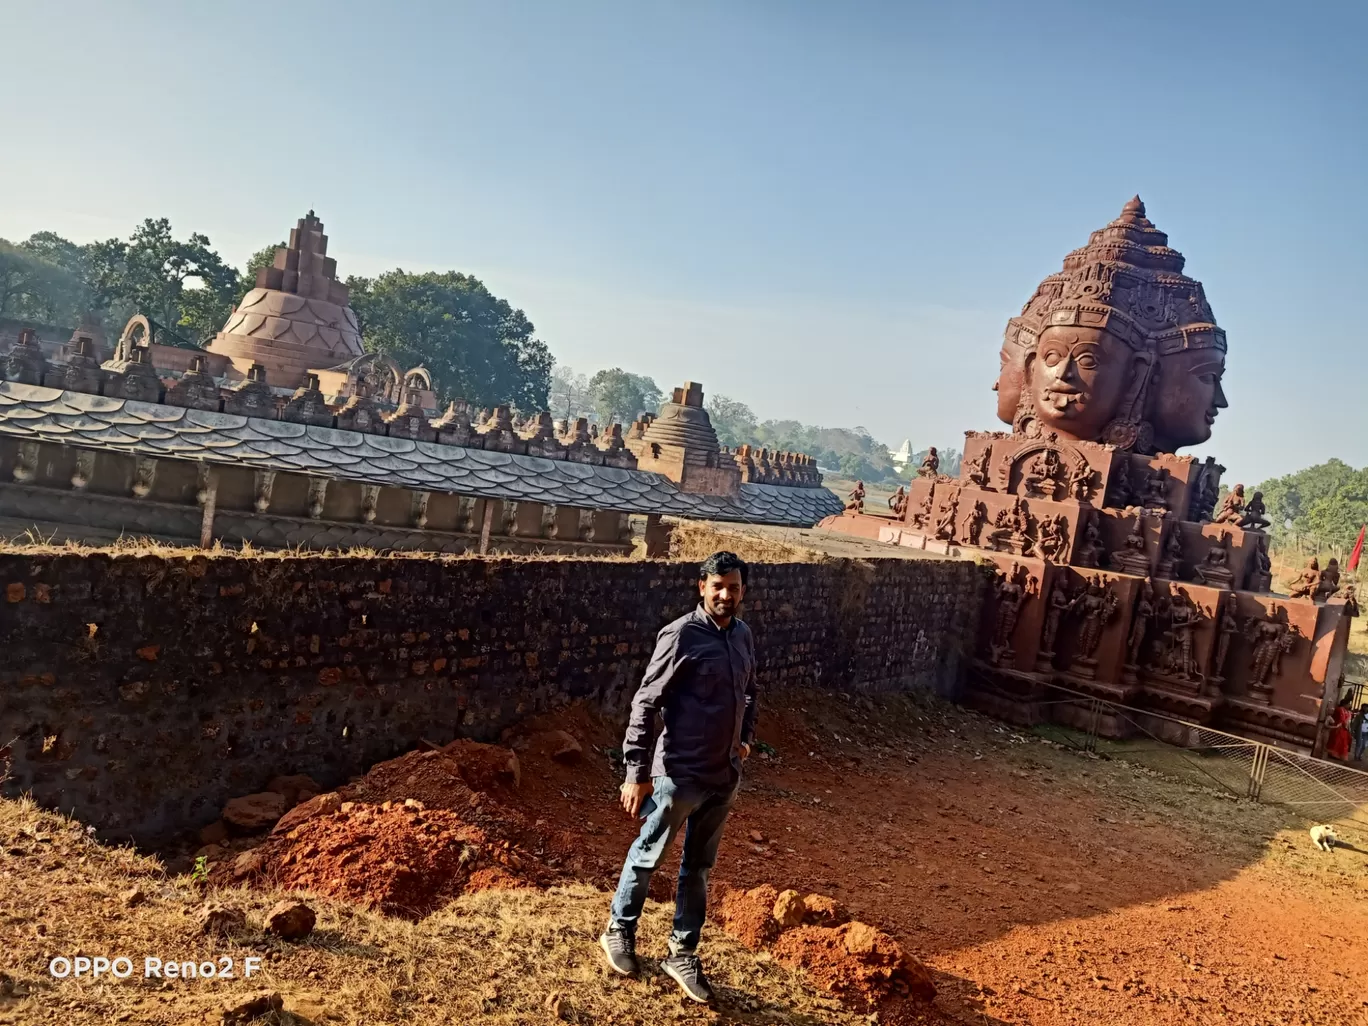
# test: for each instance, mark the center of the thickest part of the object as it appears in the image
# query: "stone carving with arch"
(1069, 458)
(137, 334)
(418, 378)
(375, 376)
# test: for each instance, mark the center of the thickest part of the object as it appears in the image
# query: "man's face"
(722, 594)
(1079, 376)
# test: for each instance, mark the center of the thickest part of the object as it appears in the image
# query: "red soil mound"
(861, 965)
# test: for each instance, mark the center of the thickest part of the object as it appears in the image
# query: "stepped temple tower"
(1117, 573)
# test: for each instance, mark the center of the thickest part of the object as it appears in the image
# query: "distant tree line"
(476, 345)
(1324, 505)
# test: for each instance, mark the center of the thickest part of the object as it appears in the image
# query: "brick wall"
(145, 691)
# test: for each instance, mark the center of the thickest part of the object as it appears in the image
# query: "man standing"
(701, 680)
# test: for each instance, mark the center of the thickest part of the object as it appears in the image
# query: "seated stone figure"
(1307, 582)
(1232, 507)
(930, 466)
(1253, 518)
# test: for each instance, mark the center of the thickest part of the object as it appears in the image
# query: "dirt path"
(1044, 887)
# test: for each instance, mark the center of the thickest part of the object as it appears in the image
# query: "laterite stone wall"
(143, 692)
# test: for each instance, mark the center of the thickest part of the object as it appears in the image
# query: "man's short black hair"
(722, 563)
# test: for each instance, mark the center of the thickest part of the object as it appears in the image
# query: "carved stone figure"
(856, 498)
(1228, 629)
(1080, 482)
(973, 523)
(1010, 593)
(1089, 553)
(945, 523)
(1272, 639)
(897, 502)
(1131, 558)
(1171, 558)
(1140, 623)
(1232, 507)
(1214, 569)
(1056, 607)
(1351, 606)
(1039, 477)
(976, 469)
(1184, 615)
(1154, 494)
(921, 516)
(1093, 355)
(1054, 538)
(1329, 581)
(1096, 605)
(1308, 582)
(930, 466)
(1120, 487)
(1012, 529)
(1253, 518)
(1260, 567)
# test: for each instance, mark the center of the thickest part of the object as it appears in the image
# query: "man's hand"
(745, 751)
(632, 795)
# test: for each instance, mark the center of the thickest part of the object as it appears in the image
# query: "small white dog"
(1324, 837)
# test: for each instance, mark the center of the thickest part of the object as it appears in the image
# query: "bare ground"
(1040, 885)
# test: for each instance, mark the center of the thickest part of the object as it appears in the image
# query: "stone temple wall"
(143, 691)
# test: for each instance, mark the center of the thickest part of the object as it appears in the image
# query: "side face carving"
(1010, 380)
(1186, 398)
(1080, 378)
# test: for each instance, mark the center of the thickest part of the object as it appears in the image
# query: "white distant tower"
(903, 456)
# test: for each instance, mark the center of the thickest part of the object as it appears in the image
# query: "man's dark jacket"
(701, 680)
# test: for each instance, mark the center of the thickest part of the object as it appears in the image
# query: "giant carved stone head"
(1118, 347)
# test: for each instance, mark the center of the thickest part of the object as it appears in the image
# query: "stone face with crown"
(1128, 577)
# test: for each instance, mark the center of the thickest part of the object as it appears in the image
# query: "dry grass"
(499, 957)
(694, 541)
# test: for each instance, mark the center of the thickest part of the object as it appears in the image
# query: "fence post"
(1257, 766)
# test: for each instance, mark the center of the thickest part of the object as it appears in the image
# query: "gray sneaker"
(686, 970)
(620, 947)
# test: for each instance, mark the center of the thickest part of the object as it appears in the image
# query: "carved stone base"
(1045, 662)
(1083, 668)
(1215, 577)
(1128, 561)
(1167, 570)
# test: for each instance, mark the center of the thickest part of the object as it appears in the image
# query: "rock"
(246, 864)
(789, 909)
(294, 789)
(221, 920)
(861, 938)
(133, 896)
(254, 812)
(244, 1009)
(824, 911)
(319, 805)
(563, 746)
(757, 837)
(290, 920)
(211, 852)
(215, 833)
(557, 1007)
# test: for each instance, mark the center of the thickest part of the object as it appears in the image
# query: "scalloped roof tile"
(99, 422)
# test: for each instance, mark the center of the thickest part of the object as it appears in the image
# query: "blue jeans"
(701, 812)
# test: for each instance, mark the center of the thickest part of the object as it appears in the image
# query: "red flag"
(1358, 549)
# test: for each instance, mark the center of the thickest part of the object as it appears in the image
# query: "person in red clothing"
(1338, 745)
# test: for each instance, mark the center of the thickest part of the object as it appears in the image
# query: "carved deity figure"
(921, 516)
(1228, 629)
(1096, 605)
(945, 523)
(977, 468)
(1232, 507)
(1012, 529)
(1351, 606)
(897, 502)
(1054, 538)
(1208, 493)
(1184, 615)
(1272, 639)
(973, 523)
(1083, 379)
(1144, 614)
(930, 466)
(1131, 558)
(1214, 569)
(856, 497)
(1307, 582)
(1260, 567)
(1329, 581)
(1154, 495)
(1011, 593)
(1057, 606)
(1080, 482)
(1120, 486)
(1040, 475)
(1171, 562)
(1089, 552)
(1253, 518)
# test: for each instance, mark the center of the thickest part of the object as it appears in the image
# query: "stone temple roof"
(298, 316)
(34, 413)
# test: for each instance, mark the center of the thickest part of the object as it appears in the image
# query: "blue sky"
(828, 211)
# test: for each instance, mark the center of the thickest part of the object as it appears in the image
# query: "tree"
(33, 288)
(258, 261)
(185, 285)
(732, 420)
(569, 397)
(620, 395)
(1325, 505)
(475, 345)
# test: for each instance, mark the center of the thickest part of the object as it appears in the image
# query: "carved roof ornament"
(1120, 346)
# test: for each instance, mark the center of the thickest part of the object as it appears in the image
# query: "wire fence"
(1318, 789)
